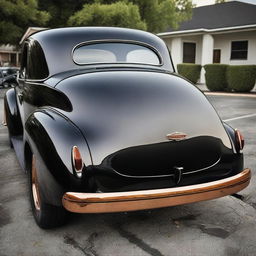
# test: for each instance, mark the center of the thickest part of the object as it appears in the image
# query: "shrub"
(190, 71)
(215, 77)
(241, 78)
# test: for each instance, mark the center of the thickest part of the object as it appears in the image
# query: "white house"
(219, 33)
(10, 54)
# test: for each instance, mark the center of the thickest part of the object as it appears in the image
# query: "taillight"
(77, 161)
(239, 140)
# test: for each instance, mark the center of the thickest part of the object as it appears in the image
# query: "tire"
(10, 141)
(46, 216)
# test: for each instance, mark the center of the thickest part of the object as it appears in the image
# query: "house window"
(189, 52)
(239, 50)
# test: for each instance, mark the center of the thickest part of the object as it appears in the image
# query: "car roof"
(58, 44)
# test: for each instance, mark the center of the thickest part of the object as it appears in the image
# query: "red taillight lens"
(239, 140)
(77, 161)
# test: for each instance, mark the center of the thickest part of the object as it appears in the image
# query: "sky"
(249, 1)
(207, 2)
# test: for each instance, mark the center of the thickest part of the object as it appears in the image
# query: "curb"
(248, 95)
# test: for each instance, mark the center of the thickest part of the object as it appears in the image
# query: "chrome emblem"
(176, 136)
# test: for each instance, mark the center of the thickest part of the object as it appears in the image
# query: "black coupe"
(102, 123)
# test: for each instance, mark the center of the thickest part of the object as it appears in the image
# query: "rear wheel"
(46, 215)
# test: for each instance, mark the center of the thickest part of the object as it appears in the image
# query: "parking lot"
(224, 226)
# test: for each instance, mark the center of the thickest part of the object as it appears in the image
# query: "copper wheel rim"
(35, 187)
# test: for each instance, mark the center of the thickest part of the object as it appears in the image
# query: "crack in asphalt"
(87, 250)
(243, 199)
(212, 230)
(5, 218)
(132, 238)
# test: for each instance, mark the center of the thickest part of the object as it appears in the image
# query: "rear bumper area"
(157, 198)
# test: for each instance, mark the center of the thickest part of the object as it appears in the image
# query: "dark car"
(102, 123)
(8, 77)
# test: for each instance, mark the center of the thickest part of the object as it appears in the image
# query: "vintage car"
(102, 123)
(8, 77)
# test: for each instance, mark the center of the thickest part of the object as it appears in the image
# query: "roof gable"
(224, 15)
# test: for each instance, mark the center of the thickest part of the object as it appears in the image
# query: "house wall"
(223, 42)
(175, 46)
(220, 41)
(9, 56)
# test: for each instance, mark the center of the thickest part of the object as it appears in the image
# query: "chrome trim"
(166, 175)
(117, 41)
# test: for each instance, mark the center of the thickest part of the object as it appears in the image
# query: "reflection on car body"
(102, 123)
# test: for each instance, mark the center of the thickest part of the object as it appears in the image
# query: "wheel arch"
(13, 119)
(27, 156)
(50, 137)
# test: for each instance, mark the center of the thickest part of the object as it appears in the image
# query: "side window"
(23, 65)
(37, 66)
(239, 50)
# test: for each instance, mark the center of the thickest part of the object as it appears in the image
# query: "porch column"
(17, 59)
(176, 51)
(207, 53)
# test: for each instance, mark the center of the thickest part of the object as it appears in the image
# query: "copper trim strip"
(150, 199)
(176, 136)
(35, 186)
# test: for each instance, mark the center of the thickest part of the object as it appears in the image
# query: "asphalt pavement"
(225, 226)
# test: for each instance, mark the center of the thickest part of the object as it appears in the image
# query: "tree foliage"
(16, 16)
(154, 15)
(60, 10)
(161, 14)
(219, 1)
(117, 14)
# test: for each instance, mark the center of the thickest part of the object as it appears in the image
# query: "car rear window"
(115, 53)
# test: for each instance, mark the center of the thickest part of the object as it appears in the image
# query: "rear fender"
(51, 137)
(231, 133)
(12, 113)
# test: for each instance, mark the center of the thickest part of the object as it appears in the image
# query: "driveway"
(224, 226)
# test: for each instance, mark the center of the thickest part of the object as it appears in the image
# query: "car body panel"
(58, 45)
(130, 108)
(121, 117)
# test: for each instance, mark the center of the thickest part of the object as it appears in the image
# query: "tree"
(60, 10)
(219, 1)
(118, 14)
(153, 15)
(16, 16)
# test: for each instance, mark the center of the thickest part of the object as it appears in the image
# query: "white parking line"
(239, 117)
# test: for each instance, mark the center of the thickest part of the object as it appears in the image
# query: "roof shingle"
(229, 14)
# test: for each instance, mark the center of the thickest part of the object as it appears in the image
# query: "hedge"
(241, 78)
(215, 77)
(190, 71)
